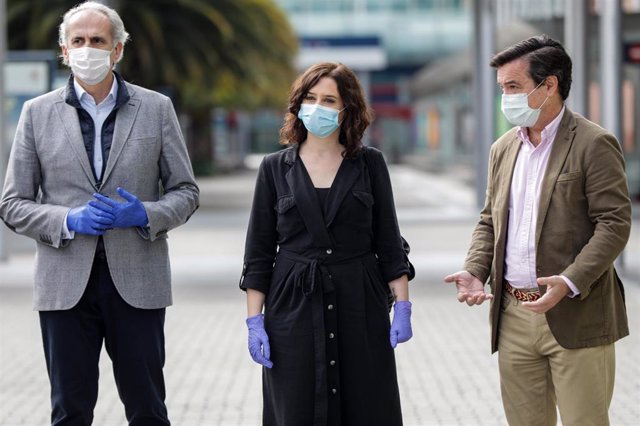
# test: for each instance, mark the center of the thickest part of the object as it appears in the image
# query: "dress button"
(330, 307)
(331, 335)
(329, 251)
(332, 363)
(334, 391)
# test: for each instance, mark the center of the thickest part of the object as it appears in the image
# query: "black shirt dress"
(324, 268)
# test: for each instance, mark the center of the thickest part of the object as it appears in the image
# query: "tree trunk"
(200, 141)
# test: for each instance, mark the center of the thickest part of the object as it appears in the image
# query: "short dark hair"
(356, 115)
(546, 57)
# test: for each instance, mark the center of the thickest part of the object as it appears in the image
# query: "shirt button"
(330, 307)
(331, 335)
(332, 363)
(329, 251)
(334, 391)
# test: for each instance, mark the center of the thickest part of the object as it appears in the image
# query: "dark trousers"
(134, 339)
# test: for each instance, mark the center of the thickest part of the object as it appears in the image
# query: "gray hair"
(118, 33)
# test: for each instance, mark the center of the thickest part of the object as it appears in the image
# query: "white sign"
(26, 78)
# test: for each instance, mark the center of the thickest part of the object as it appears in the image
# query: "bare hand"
(470, 289)
(557, 289)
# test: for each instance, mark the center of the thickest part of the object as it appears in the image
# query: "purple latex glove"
(127, 214)
(401, 325)
(259, 341)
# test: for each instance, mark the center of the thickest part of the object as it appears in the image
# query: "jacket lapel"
(506, 167)
(307, 202)
(557, 157)
(348, 173)
(125, 118)
(71, 123)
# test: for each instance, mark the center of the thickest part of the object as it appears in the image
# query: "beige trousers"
(536, 373)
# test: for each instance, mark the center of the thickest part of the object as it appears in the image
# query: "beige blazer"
(584, 221)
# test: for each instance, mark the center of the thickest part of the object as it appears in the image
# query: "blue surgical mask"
(319, 120)
(517, 111)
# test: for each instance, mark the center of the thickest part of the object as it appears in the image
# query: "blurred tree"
(204, 53)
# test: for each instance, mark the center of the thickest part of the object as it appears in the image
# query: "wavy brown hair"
(356, 116)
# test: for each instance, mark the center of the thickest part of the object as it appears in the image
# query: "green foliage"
(208, 52)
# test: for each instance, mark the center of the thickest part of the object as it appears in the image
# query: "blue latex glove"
(259, 341)
(89, 220)
(401, 325)
(127, 214)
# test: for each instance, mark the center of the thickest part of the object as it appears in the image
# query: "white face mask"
(516, 109)
(89, 64)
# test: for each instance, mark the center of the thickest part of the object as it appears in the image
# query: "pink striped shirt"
(531, 164)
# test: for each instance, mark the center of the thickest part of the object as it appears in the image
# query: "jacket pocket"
(142, 141)
(285, 203)
(563, 177)
(364, 197)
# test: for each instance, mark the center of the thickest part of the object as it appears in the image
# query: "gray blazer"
(49, 172)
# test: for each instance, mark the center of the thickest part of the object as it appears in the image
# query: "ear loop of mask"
(536, 88)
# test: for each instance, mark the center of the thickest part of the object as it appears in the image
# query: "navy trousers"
(134, 340)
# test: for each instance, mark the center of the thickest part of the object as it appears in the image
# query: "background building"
(386, 42)
(442, 91)
(415, 57)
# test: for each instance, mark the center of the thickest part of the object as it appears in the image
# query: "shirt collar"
(113, 93)
(548, 133)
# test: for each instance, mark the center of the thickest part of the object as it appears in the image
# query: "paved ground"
(447, 375)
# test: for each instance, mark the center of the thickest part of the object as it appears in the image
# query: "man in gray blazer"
(98, 174)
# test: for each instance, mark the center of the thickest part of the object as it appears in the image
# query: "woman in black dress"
(325, 259)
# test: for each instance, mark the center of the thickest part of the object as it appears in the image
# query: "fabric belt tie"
(522, 295)
(313, 276)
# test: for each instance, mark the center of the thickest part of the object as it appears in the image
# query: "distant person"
(324, 257)
(556, 216)
(98, 174)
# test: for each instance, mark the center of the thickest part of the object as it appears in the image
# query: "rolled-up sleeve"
(261, 242)
(391, 249)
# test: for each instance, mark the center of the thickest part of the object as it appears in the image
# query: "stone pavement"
(446, 372)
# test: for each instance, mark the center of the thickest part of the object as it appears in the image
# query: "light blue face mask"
(319, 120)
(517, 111)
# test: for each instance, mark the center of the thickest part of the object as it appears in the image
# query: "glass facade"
(295, 6)
(442, 108)
(410, 33)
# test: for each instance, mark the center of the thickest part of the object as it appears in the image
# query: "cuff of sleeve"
(255, 282)
(143, 231)
(574, 290)
(389, 275)
(66, 233)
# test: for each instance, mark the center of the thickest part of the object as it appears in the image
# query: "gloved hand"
(89, 220)
(259, 341)
(401, 325)
(127, 214)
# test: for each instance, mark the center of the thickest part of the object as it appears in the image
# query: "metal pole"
(3, 145)
(484, 89)
(611, 66)
(365, 82)
(575, 37)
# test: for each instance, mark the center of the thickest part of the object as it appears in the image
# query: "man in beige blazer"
(98, 175)
(556, 216)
